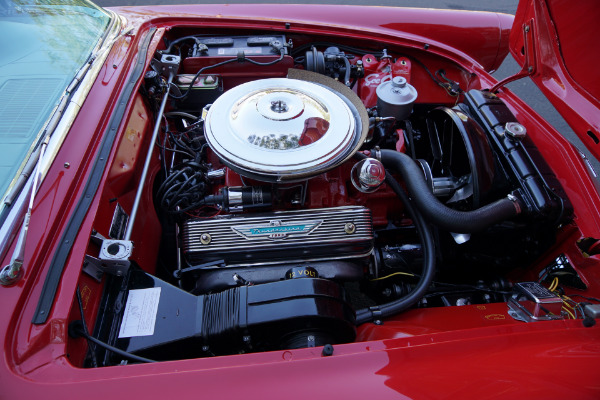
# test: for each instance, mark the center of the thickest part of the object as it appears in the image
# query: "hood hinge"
(529, 65)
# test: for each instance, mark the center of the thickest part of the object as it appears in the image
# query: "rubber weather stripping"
(64, 248)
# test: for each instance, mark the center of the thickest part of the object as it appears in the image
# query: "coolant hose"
(439, 214)
(426, 237)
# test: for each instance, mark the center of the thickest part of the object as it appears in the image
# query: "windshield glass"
(44, 43)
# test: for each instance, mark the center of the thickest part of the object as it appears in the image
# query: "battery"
(205, 90)
(214, 54)
(267, 45)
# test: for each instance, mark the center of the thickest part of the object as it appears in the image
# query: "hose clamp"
(515, 201)
(376, 153)
(376, 312)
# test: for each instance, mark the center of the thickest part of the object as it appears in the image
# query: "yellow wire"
(569, 312)
(567, 304)
(569, 299)
(554, 284)
(395, 273)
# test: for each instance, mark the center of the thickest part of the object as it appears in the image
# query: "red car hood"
(555, 41)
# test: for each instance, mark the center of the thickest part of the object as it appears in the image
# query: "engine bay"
(300, 187)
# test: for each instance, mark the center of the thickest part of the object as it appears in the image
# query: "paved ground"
(523, 88)
(505, 6)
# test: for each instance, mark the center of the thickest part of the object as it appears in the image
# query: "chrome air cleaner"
(283, 130)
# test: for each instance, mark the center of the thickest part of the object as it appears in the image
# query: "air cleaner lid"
(281, 129)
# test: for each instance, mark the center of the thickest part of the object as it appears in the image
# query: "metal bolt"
(526, 28)
(327, 350)
(67, 165)
(205, 238)
(279, 106)
(349, 228)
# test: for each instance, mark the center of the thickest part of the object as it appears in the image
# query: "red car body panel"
(463, 352)
(562, 60)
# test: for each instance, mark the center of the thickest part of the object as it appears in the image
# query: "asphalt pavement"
(504, 6)
(524, 88)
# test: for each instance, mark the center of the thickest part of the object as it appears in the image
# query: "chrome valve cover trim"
(301, 235)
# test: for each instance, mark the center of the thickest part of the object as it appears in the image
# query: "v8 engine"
(305, 187)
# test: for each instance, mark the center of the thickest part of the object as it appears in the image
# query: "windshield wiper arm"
(12, 272)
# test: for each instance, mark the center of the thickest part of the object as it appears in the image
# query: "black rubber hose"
(82, 330)
(439, 214)
(347, 73)
(426, 237)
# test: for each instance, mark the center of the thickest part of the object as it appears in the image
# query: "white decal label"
(140, 313)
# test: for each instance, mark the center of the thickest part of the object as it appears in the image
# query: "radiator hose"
(426, 237)
(429, 207)
(439, 214)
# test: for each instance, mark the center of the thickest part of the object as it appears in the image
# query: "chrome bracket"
(167, 65)
(113, 257)
(533, 302)
(96, 267)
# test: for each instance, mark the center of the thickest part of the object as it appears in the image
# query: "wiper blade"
(93, 56)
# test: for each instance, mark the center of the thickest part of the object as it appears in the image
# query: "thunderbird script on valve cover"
(219, 200)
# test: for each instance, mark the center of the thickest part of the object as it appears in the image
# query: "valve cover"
(326, 233)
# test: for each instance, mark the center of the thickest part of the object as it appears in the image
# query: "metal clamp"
(376, 154)
(167, 65)
(113, 257)
(95, 267)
